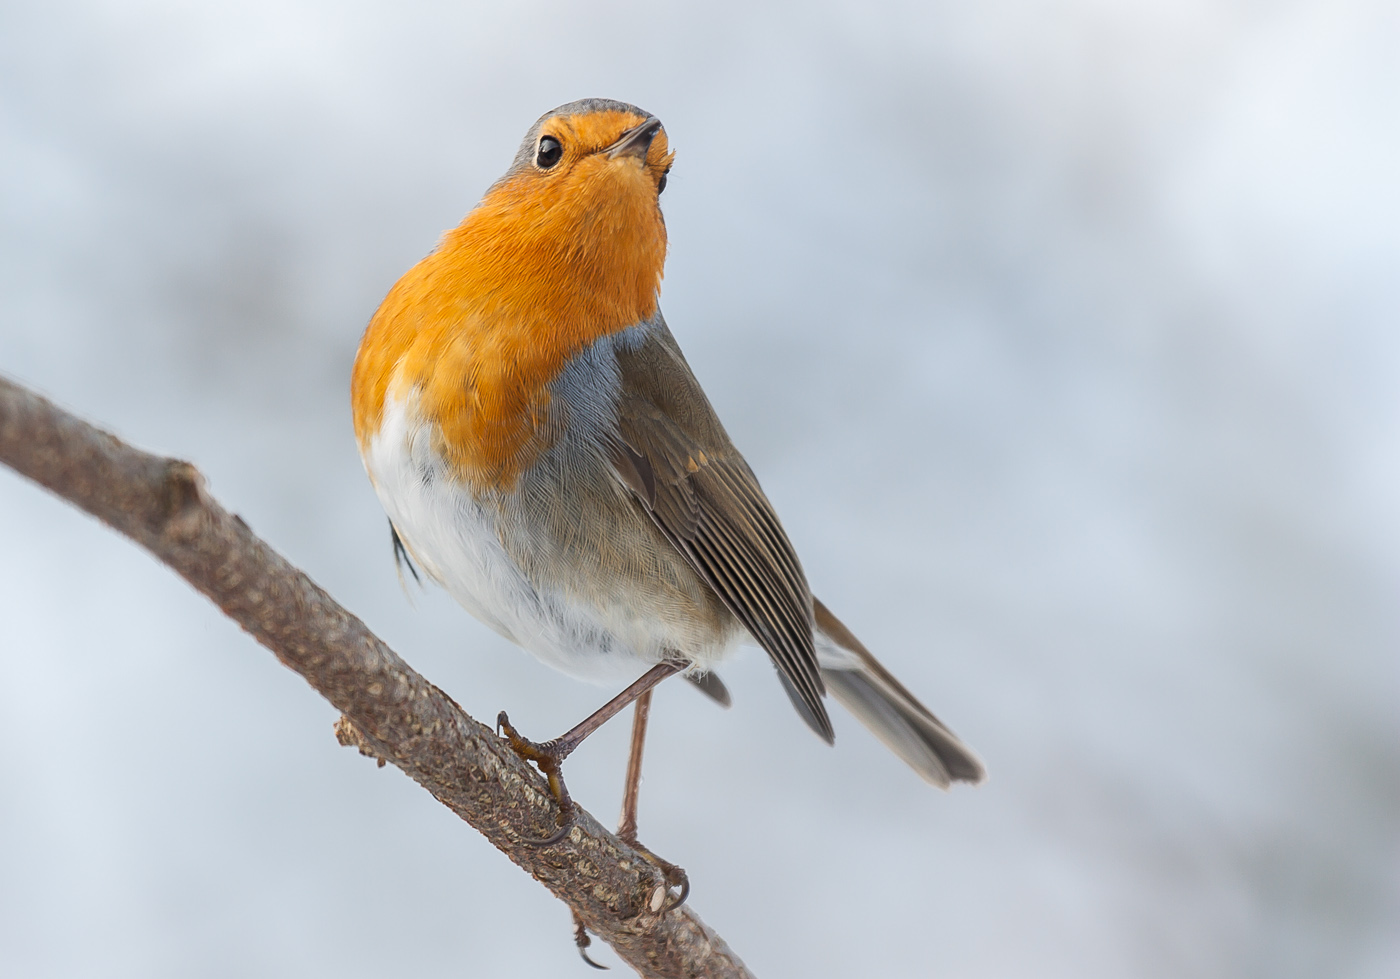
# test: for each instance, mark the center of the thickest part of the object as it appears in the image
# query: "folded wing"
(674, 455)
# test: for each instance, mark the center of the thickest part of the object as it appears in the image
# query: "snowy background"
(1065, 337)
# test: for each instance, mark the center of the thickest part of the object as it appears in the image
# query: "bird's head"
(577, 216)
(590, 154)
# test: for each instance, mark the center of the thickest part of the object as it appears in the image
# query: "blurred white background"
(1063, 336)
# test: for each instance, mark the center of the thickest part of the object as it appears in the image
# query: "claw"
(683, 884)
(584, 955)
(547, 757)
(556, 838)
(674, 876)
(582, 941)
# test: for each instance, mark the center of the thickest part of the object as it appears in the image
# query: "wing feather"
(674, 456)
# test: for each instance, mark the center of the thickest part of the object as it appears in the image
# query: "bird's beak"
(636, 141)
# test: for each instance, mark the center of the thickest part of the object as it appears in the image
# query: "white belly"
(597, 634)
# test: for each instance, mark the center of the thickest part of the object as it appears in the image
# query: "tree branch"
(391, 712)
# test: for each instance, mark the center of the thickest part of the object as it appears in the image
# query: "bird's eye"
(661, 185)
(549, 153)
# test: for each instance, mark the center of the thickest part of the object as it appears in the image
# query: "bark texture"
(390, 712)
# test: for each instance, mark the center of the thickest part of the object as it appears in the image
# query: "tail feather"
(711, 686)
(892, 713)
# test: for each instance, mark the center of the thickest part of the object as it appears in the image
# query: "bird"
(544, 452)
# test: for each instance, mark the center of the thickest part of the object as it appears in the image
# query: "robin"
(545, 454)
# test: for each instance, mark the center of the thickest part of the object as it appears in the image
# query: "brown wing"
(676, 458)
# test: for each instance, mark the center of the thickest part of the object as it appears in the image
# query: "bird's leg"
(627, 826)
(550, 755)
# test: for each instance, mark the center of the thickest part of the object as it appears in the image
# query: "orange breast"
(479, 329)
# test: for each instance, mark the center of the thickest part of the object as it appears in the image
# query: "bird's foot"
(677, 880)
(548, 756)
(582, 941)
